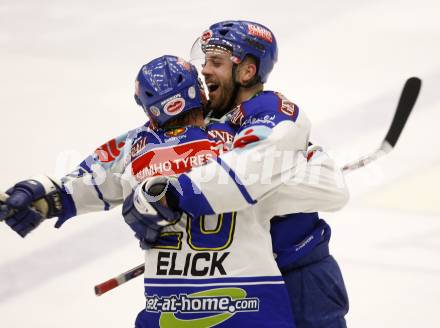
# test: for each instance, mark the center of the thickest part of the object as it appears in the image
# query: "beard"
(226, 95)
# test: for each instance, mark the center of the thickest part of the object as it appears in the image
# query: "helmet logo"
(191, 92)
(182, 62)
(260, 32)
(174, 106)
(155, 111)
(206, 36)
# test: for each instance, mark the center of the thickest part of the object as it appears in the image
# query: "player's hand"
(146, 213)
(29, 203)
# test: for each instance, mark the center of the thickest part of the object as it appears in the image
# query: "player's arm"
(264, 155)
(94, 185)
(318, 185)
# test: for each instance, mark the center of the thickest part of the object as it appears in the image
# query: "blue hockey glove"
(32, 201)
(144, 213)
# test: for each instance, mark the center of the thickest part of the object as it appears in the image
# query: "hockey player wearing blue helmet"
(238, 58)
(185, 252)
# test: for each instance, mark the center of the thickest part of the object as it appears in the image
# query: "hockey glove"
(144, 213)
(32, 201)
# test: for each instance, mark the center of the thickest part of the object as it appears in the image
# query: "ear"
(246, 71)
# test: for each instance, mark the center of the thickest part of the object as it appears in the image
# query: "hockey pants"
(317, 291)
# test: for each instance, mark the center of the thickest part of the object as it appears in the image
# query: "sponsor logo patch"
(175, 132)
(173, 160)
(192, 92)
(109, 151)
(206, 36)
(138, 146)
(220, 303)
(155, 111)
(174, 106)
(287, 107)
(260, 33)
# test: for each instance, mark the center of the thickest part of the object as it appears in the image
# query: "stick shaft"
(119, 280)
(365, 160)
(406, 103)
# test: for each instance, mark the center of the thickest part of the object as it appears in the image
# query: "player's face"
(217, 71)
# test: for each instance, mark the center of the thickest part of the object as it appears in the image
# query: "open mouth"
(212, 87)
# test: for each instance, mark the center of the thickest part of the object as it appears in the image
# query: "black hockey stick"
(406, 103)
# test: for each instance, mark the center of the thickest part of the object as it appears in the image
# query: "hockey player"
(200, 272)
(239, 55)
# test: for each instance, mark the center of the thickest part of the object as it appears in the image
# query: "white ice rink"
(66, 86)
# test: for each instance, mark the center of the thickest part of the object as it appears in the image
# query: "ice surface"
(67, 71)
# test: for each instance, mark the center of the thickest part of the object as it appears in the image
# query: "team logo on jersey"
(206, 36)
(260, 32)
(175, 132)
(174, 107)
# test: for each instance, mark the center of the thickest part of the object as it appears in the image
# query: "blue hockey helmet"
(167, 87)
(244, 38)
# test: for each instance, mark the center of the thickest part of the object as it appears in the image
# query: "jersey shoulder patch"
(267, 102)
(223, 132)
(111, 150)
